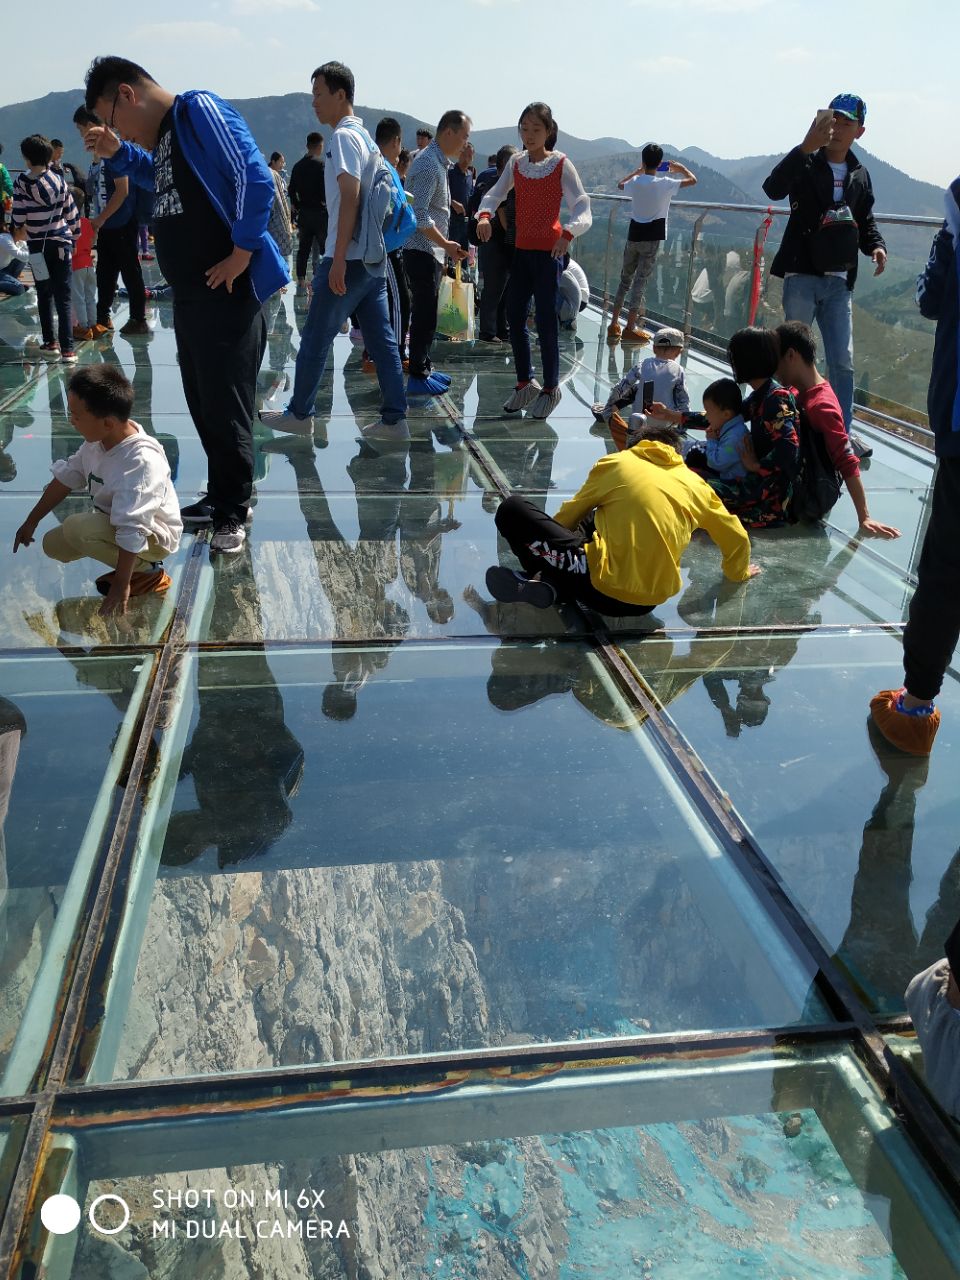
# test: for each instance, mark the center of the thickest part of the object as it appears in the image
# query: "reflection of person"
(135, 521)
(907, 716)
(933, 1000)
(13, 727)
(616, 545)
(244, 808)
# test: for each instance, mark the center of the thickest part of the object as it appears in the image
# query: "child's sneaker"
(50, 350)
(614, 331)
(68, 357)
(102, 330)
(149, 582)
(510, 587)
(522, 396)
(82, 333)
(912, 731)
(545, 403)
(635, 338)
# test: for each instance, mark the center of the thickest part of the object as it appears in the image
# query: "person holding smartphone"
(831, 222)
(651, 188)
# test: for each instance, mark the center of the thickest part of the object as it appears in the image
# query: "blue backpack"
(386, 220)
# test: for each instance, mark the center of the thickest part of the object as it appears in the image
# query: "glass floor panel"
(65, 726)
(864, 837)
(372, 566)
(768, 1164)
(336, 879)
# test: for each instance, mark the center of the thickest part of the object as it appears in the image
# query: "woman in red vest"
(542, 180)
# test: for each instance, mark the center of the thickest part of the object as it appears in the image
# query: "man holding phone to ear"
(831, 221)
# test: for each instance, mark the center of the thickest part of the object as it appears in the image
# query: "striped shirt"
(430, 197)
(45, 205)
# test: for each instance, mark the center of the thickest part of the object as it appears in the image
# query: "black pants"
(933, 628)
(398, 300)
(545, 547)
(117, 256)
(423, 275)
(56, 293)
(312, 225)
(495, 270)
(220, 344)
(535, 274)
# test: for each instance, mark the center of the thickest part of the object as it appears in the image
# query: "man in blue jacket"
(907, 716)
(213, 196)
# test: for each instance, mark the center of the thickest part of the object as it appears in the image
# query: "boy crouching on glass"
(135, 518)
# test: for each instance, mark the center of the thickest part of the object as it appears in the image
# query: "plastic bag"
(455, 308)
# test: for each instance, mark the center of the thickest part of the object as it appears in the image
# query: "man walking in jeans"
(831, 218)
(343, 286)
(214, 194)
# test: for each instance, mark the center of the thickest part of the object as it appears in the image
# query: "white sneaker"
(284, 420)
(522, 396)
(545, 403)
(386, 432)
(228, 536)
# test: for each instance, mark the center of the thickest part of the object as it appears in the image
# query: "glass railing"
(713, 275)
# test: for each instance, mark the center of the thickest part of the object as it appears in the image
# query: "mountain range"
(280, 123)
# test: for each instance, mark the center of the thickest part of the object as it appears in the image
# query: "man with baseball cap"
(933, 1002)
(831, 220)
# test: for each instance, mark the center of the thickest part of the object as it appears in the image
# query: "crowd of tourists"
(373, 230)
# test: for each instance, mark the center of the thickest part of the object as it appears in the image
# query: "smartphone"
(647, 396)
(824, 114)
(665, 167)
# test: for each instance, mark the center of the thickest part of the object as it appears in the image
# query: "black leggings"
(934, 626)
(557, 554)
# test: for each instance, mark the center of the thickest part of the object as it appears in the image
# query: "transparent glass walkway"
(352, 924)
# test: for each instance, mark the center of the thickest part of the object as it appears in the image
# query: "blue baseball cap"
(849, 105)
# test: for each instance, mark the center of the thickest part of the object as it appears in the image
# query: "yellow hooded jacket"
(646, 503)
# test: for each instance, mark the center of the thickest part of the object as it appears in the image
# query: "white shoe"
(386, 432)
(228, 536)
(284, 420)
(545, 403)
(522, 396)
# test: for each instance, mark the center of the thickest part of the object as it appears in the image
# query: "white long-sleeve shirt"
(540, 192)
(12, 250)
(131, 484)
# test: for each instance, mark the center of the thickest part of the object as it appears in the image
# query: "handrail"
(902, 219)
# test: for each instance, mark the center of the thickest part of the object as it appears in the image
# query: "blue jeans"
(534, 273)
(366, 298)
(827, 300)
(10, 278)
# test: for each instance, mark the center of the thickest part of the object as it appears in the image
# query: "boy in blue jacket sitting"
(718, 455)
(213, 197)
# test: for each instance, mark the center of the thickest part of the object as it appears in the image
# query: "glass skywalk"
(540, 944)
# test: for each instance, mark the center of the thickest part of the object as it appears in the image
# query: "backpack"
(386, 220)
(816, 485)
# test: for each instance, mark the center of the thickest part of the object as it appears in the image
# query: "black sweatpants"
(933, 629)
(495, 269)
(557, 554)
(398, 300)
(312, 229)
(423, 276)
(118, 256)
(220, 345)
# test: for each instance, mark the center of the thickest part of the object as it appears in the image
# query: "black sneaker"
(229, 535)
(197, 513)
(510, 587)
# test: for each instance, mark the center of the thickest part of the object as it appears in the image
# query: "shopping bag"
(455, 308)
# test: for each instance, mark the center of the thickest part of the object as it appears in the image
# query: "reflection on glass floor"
(382, 816)
(765, 1165)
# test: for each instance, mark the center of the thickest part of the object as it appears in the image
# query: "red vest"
(538, 208)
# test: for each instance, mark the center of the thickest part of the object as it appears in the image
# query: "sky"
(736, 77)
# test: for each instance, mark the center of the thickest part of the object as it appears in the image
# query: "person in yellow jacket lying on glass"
(616, 545)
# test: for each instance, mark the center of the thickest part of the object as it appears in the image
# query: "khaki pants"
(90, 534)
(639, 259)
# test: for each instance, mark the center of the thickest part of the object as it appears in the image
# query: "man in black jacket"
(308, 201)
(831, 218)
